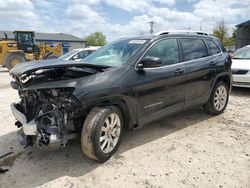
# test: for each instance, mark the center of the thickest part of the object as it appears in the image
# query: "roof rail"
(181, 32)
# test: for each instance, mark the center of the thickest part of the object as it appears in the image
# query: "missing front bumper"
(29, 128)
(45, 131)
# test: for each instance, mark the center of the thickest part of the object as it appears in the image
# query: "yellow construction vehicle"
(23, 48)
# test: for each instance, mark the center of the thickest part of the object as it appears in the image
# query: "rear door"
(162, 89)
(200, 68)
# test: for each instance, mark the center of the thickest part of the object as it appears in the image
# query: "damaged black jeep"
(122, 85)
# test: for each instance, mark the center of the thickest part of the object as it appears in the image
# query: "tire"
(51, 56)
(14, 58)
(216, 107)
(93, 132)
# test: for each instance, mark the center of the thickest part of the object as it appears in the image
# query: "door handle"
(179, 71)
(213, 63)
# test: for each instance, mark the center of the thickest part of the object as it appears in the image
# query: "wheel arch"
(225, 77)
(10, 52)
(129, 115)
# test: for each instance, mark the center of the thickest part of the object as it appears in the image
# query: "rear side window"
(83, 54)
(167, 50)
(212, 47)
(91, 51)
(193, 49)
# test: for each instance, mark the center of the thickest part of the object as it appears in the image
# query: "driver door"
(162, 89)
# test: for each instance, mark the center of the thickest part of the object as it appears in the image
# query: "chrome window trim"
(215, 45)
(183, 62)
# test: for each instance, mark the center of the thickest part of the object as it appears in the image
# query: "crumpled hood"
(241, 64)
(27, 67)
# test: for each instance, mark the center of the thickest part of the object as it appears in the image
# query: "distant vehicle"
(78, 54)
(23, 48)
(241, 67)
(230, 50)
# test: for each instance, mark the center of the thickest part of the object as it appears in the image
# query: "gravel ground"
(190, 149)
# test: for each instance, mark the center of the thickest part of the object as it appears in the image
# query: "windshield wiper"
(96, 65)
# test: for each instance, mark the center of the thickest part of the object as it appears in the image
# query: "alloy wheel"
(220, 98)
(110, 133)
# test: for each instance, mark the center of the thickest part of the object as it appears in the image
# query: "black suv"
(121, 86)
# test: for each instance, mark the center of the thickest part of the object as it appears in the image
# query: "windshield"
(68, 55)
(243, 53)
(25, 38)
(116, 53)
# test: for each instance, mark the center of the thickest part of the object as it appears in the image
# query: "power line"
(151, 24)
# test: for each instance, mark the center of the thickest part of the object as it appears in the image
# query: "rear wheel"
(13, 59)
(102, 132)
(218, 100)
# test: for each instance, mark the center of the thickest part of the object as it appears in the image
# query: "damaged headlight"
(57, 92)
(62, 92)
(62, 96)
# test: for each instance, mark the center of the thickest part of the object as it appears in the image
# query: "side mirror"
(75, 57)
(149, 62)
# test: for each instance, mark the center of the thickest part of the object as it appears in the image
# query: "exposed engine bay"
(51, 117)
(48, 117)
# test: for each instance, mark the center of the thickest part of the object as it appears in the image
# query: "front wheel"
(13, 59)
(218, 100)
(102, 132)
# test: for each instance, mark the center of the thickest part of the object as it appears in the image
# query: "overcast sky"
(118, 18)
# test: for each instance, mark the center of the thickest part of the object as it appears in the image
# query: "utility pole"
(151, 24)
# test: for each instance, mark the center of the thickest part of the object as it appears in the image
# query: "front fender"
(126, 104)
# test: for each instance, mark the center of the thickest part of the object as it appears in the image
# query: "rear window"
(212, 47)
(193, 49)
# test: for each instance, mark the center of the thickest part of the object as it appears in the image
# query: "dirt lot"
(190, 149)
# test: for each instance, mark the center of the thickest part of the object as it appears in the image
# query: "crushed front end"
(47, 117)
(48, 113)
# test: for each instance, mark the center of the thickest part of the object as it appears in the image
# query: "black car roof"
(155, 37)
(183, 35)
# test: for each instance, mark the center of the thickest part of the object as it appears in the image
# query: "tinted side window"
(193, 49)
(212, 47)
(166, 50)
(90, 51)
(84, 54)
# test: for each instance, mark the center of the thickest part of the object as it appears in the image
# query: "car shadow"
(45, 166)
(240, 91)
